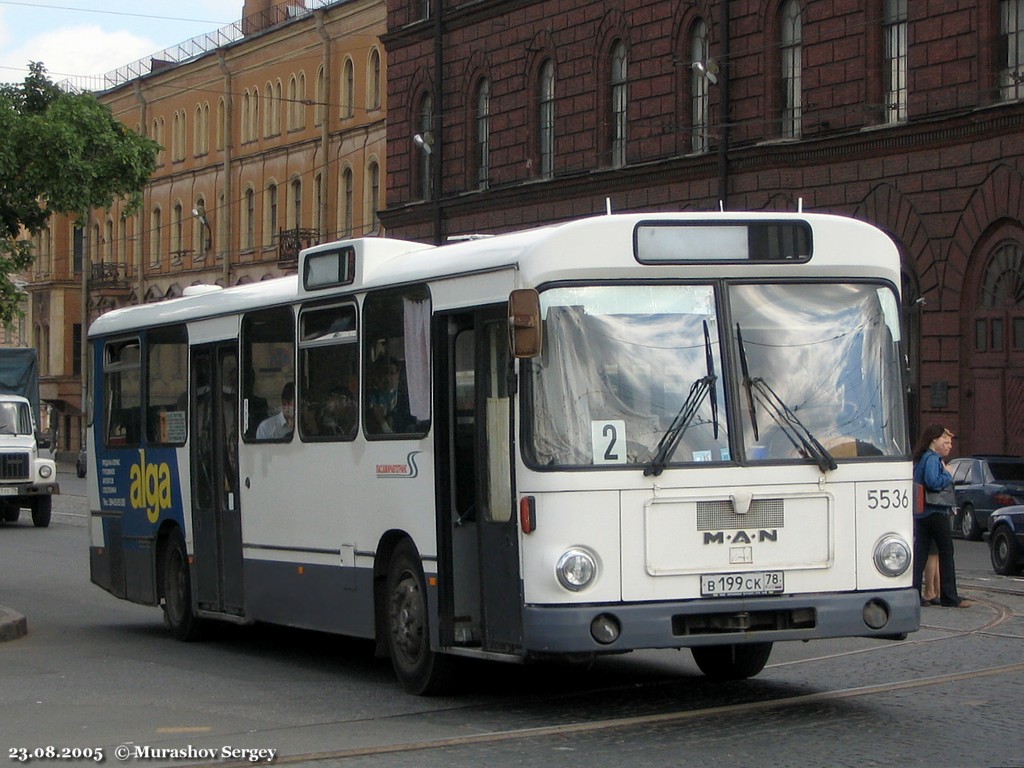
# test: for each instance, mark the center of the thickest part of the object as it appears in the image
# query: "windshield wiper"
(699, 390)
(803, 440)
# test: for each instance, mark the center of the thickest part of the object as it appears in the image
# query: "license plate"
(6, 490)
(735, 584)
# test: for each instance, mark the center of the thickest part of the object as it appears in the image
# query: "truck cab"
(27, 479)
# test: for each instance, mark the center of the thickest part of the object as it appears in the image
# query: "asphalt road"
(96, 673)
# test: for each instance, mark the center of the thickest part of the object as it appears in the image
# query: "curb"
(12, 625)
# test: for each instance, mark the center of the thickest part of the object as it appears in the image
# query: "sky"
(78, 38)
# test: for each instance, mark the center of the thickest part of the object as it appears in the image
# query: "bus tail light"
(528, 514)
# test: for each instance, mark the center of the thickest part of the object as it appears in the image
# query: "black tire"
(420, 670)
(10, 514)
(969, 527)
(177, 590)
(42, 507)
(1003, 550)
(731, 662)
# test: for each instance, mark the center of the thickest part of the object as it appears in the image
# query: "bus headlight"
(576, 569)
(45, 471)
(892, 555)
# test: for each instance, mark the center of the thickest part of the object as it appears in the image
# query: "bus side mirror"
(524, 324)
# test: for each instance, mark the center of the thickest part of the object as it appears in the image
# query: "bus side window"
(396, 362)
(122, 387)
(167, 385)
(268, 359)
(328, 364)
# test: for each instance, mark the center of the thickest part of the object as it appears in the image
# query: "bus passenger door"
(216, 520)
(483, 543)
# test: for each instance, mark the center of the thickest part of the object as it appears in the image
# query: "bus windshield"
(618, 371)
(819, 369)
(634, 375)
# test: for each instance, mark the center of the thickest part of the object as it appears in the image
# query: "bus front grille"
(744, 621)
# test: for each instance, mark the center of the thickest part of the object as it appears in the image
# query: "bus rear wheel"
(177, 590)
(419, 669)
(731, 662)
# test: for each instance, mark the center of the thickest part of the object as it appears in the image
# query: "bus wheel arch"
(403, 615)
(174, 584)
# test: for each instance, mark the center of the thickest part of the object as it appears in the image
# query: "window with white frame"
(699, 88)
(1011, 37)
(791, 46)
(895, 32)
(546, 118)
(619, 97)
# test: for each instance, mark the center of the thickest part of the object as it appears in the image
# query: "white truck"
(27, 478)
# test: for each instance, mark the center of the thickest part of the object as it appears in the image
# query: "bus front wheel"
(177, 590)
(419, 669)
(731, 662)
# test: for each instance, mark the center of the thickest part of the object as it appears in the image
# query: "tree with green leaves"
(60, 153)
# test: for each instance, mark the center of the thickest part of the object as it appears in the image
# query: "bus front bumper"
(560, 629)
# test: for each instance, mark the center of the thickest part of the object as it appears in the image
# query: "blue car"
(983, 484)
(1006, 540)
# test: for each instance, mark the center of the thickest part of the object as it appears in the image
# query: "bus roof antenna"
(608, 206)
(799, 205)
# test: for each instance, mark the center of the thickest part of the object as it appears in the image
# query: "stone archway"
(986, 267)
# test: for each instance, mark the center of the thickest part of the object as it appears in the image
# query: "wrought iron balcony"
(106, 275)
(290, 242)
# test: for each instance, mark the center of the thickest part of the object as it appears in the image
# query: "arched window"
(222, 125)
(373, 189)
(546, 118)
(894, 27)
(297, 102)
(269, 107)
(320, 113)
(426, 123)
(318, 199)
(483, 134)
(254, 117)
(108, 241)
(1011, 38)
(347, 191)
(295, 212)
(619, 102)
(348, 88)
(249, 220)
(155, 227)
(176, 233)
(373, 81)
(999, 323)
(699, 88)
(790, 44)
(270, 233)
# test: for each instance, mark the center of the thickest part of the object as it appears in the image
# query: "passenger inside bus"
(383, 398)
(337, 415)
(280, 425)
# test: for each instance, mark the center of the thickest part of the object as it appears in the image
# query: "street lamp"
(206, 234)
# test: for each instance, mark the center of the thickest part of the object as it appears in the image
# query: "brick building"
(273, 135)
(907, 115)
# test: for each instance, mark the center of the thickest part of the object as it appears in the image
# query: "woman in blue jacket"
(932, 523)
